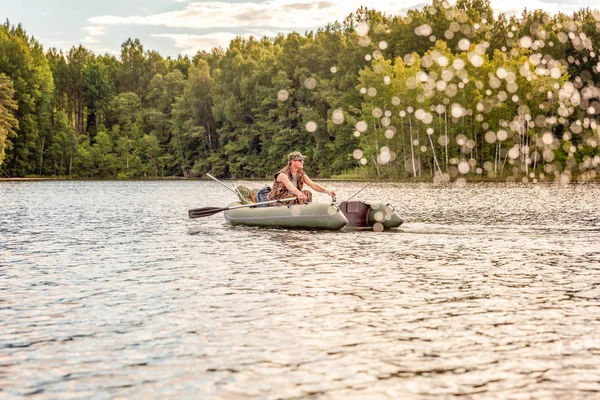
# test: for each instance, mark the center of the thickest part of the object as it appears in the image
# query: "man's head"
(295, 156)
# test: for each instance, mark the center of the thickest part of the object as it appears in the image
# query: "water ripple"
(487, 291)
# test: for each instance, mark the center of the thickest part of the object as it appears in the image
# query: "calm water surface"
(487, 291)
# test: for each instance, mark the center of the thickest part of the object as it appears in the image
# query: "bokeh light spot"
(283, 95)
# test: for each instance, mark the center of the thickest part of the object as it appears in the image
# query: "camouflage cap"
(295, 155)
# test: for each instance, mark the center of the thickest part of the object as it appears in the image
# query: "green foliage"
(8, 123)
(443, 92)
(22, 60)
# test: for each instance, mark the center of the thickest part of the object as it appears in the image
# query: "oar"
(208, 211)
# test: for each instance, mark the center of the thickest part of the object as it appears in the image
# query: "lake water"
(107, 289)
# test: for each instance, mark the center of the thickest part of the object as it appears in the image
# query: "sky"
(174, 27)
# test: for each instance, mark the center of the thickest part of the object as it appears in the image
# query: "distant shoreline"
(402, 180)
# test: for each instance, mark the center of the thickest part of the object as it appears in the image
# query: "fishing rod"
(402, 204)
(224, 185)
(366, 186)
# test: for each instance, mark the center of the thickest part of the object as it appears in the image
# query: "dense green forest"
(443, 93)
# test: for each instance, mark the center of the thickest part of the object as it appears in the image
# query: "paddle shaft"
(261, 203)
(208, 211)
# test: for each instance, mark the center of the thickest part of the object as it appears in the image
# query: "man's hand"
(302, 197)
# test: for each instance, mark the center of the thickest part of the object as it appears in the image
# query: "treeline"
(443, 92)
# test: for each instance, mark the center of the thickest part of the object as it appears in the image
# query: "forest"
(443, 93)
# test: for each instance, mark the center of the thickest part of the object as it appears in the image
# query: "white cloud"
(67, 45)
(101, 49)
(94, 30)
(272, 17)
(63, 45)
(89, 39)
(260, 33)
(516, 7)
(296, 14)
(191, 44)
(286, 14)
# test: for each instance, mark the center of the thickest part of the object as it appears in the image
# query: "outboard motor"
(357, 213)
(378, 216)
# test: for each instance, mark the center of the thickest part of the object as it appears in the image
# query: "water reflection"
(486, 291)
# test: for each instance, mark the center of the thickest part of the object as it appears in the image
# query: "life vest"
(279, 190)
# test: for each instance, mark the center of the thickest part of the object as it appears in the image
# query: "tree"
(126, 130)
(77, 61)
(8, 122)
(23, 61)
(193, 122)
(98, 90)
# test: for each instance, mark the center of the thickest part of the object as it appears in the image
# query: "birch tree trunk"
(412, 147)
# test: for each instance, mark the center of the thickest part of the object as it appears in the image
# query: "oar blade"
(204, 211)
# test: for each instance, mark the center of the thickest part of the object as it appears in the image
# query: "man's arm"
(317, 187)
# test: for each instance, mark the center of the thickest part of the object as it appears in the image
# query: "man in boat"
(290, 180)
